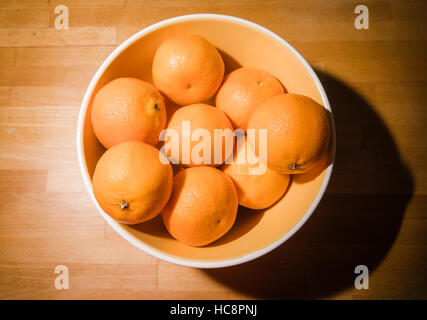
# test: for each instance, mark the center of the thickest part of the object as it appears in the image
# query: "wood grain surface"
(375, 209)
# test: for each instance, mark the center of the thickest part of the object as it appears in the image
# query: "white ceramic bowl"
(241, 43)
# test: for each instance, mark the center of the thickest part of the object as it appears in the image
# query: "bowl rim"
(126, 234)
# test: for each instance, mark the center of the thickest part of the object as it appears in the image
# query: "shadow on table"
(356, 222)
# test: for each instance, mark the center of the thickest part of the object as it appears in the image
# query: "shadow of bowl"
(356, 222)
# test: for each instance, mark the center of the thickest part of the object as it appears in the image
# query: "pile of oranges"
(134, 179)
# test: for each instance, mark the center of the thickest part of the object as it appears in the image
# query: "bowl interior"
(240, 44)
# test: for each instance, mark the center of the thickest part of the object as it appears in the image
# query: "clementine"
(200, 129)
(258, 187)
(131, 183)
(243, 91)
(128, 109)
(187, 69)
(203, 206)
(298, 132)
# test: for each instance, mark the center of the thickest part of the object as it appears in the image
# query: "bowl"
(241, 43)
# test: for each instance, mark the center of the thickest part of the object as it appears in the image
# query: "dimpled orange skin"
(205, 117)
(187, 69)
(128, 109)
(130, 182)
(257, 187)
(243, 90)
(298, 132)
(203, 206)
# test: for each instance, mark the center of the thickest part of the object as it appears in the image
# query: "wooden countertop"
(375, 209)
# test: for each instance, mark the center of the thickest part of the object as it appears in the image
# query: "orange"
(298, 132)
(243, 91)
(128, 109)
(187, 69)
(131, 183)
(258, 187)
(203, 206)
(196, 117)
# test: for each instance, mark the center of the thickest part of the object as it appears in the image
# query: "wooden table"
(375, 209)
